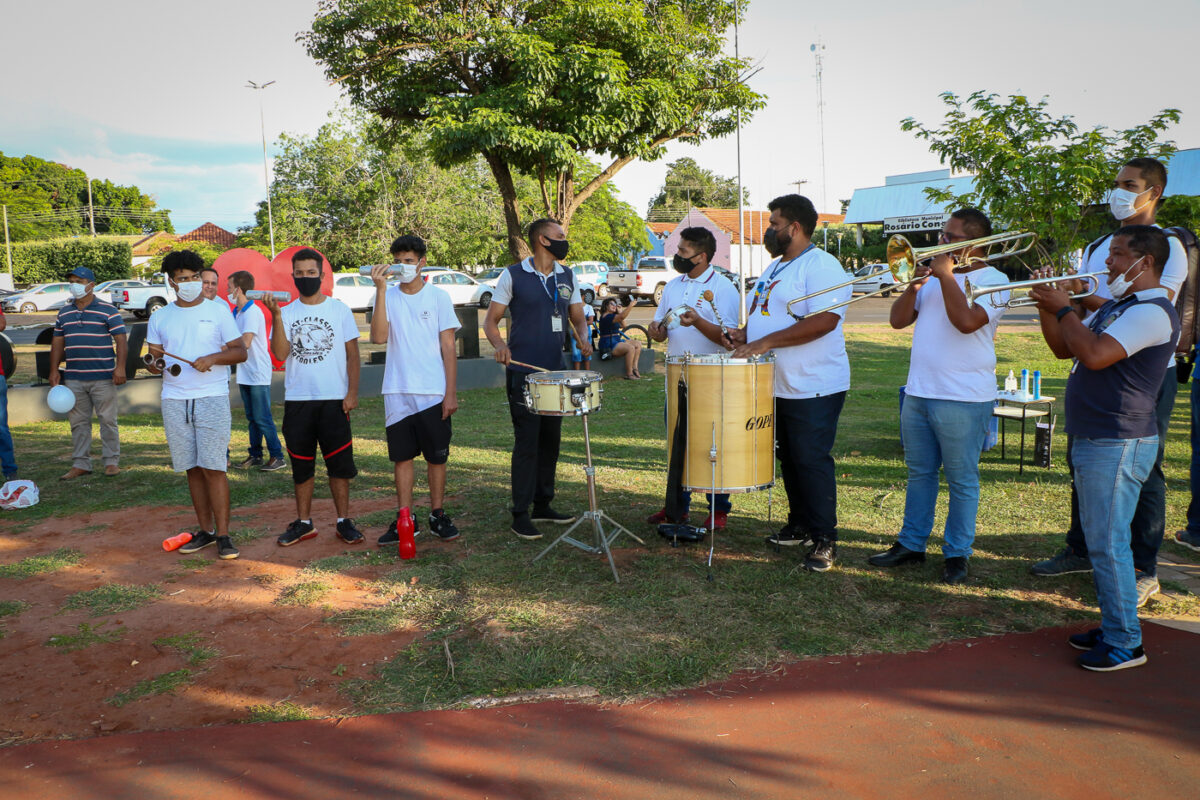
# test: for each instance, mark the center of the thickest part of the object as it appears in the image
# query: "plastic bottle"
(1010, 383)
(177, 541)
(1025, 384)
(404, 528)
(1037, 384)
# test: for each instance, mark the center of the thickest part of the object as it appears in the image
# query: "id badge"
(556, 325)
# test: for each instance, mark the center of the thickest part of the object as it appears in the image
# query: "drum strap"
(674, 502)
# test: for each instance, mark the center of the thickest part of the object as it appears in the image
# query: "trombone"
(1019, 292)
(903, 258)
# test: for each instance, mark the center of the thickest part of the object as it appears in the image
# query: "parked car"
(356, 291)
(142, 300)
(104, 290)
(733, 278)
(872, 278)
(593, 272)
(462, 288)
(39, 297)
(490, 276)
(646, 280)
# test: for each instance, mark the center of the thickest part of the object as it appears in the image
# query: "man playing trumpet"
(949, 396)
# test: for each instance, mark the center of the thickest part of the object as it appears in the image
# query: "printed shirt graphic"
(316, 365)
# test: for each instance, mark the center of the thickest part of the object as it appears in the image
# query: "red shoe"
(719, 520)
(659, 517)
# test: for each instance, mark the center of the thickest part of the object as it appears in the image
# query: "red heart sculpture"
(270, 276)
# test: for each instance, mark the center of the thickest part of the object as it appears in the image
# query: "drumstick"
(177, 358)
(530, 366)
(708, 295)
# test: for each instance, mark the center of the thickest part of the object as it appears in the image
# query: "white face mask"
(1122, 203)
(233, 299)
(78, 290)
(189, 290)
(407, 272)
(1119, 286)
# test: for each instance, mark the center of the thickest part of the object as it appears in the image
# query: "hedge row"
(43, 262)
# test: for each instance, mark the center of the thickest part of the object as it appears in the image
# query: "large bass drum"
(730, 408)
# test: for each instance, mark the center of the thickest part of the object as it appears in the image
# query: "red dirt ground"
(52, 693)
(1003, 717)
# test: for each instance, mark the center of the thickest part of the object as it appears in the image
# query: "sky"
(153, 93)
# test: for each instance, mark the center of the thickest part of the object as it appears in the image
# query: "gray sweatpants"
(100, 396)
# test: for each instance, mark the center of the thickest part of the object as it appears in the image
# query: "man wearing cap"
(85, 334)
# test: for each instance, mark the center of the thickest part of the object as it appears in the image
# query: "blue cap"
(85, 273)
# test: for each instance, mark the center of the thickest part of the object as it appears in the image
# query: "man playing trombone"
(950, 393)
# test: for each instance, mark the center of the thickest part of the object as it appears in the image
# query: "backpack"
(1187, 301)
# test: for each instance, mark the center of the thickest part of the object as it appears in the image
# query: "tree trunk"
(518, 248)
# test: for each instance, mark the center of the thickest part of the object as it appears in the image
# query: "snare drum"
(566, 393)
(730, 408)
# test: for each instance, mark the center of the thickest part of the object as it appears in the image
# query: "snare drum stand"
(593, 515)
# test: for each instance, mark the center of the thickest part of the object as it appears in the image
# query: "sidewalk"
(1009, 716)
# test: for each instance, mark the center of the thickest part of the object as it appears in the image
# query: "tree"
(534, 85)
(689, 185)
(1034, 171)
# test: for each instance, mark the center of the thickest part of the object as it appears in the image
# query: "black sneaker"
(1106, 658)
(225, 548)
(296, 532)
(1063, 563)
(523, 527)
(442, 527)
(820, 558)
(273, 464)
(199, 541)
(250, 461)
(548, 514)
(392, 537)
(348, 533)
(1086, 641)
(789, 536)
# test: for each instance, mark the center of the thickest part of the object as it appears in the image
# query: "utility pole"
(7, 246)
(91, 210)
(817, 49)
(741, 237)
(266, 180)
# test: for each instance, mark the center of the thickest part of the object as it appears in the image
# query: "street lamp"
(262, 123)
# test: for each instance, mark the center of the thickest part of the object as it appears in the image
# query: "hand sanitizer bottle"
(1010, 383)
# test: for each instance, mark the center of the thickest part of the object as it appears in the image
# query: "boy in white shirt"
(201, 337)
(415, 320)
(318, 338)
(254, 376)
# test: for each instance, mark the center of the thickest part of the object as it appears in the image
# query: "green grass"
(511, 626)
(190, 646)
(111, 599)
(306, 593)
(36, 565)
(160, 684)
(86, 636)
(10, 608)
(284, 711)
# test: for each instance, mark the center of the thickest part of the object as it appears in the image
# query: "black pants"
(536, 440)
(1150, 517)
(804, 434)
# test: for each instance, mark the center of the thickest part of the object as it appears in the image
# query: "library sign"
(915, 224)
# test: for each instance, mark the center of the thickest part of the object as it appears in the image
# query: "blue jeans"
(947, 434)
(1110, 474)
(8, 459)
(256, 400)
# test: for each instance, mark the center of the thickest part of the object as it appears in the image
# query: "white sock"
(307, 521)
(341, 520)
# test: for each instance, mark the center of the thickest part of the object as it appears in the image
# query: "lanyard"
(778, 268)
(547, 283)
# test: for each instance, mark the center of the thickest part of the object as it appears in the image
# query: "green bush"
(43, 262)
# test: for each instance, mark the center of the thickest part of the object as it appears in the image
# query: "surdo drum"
(730, 408)
(565, 393)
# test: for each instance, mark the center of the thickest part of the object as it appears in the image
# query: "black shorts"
(307, 423)
(424, 433)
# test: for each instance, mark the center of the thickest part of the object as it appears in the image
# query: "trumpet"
(1019, 292)
(903, 258)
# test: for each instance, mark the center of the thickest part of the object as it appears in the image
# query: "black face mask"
(558, 248)
(682, 264)
(307, 287)
(775, 242)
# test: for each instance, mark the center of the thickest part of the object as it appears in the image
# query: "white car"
(462, 288)
(490, 276)
(593, 272)
(39, 297)
(356, 291)
(873, 278)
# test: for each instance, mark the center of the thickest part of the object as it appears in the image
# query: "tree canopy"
(47, 200)
(1035, 171)
(534, 86)
(688, 184)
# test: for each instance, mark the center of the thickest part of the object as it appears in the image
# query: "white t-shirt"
(256, 369)
(502, 294)
(1143, 325)
(1173, 273)
(686, 291)
(945, 363)
(415, 323)
(191, 332)
(812, 369)
(316, 366)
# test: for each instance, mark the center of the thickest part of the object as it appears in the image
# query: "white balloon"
(60, 399)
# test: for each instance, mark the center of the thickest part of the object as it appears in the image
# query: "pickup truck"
(646, 280)
(142, 301)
